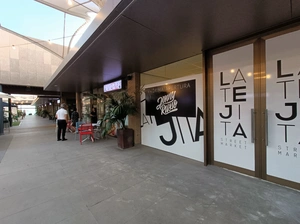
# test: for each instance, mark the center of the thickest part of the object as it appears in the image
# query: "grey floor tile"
(121, 182)
(4, 142)
(45, 181)
(35, 196)
(50, 212)
(172, 208)
(121, 208)
(111, 169)
(19, 183)
(236, 213)
(95, 194)
(81, 218)
(115, 210)
(84, 179)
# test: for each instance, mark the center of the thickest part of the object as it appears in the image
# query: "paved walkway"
(43, 181)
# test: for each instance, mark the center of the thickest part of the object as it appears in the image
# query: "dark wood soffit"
(29, 90)
(150, 34)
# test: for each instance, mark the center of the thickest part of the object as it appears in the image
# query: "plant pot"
(125, 138)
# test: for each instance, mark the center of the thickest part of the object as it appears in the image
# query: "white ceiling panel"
(82, 1)
(82, 10)
(78, 8)
(92, 6)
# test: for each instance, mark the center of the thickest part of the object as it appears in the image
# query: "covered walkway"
(45, 181)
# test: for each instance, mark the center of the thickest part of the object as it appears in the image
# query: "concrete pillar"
(48, 108)
(134, 121)
(9, 112)
(79, 104)
(53, 109)
(1, 115)
(63, 99)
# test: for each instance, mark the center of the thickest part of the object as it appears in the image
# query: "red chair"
(69, 126)
(86, 129)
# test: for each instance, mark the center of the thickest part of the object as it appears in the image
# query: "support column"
(134, 121)
(1, 115)
(79, 104)
(62, 99)
(9, 112)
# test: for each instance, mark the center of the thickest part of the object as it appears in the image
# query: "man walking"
(62, 118)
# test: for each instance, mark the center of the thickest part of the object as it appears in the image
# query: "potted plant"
(118, 106)
(45, 113)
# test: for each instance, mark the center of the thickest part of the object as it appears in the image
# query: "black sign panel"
(176, 99)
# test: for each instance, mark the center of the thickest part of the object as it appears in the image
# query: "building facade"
(220, 80)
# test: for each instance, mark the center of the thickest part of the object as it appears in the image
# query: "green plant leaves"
(119, 105)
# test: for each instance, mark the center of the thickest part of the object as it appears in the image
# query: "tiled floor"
(45, 181)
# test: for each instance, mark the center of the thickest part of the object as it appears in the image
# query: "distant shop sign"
(117, 85)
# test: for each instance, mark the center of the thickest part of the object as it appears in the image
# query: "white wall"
(183, 140)
(28, 64)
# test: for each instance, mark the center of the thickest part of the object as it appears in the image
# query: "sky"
(33, 19)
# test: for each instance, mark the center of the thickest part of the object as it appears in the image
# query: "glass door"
(282, 103)
(256, 99)
(233, 90)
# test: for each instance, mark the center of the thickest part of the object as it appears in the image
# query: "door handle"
(252, 126)
(266, 128)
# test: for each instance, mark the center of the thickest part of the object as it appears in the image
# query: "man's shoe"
(65, 139)
(58, 139)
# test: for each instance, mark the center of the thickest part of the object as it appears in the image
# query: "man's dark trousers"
(62, 126)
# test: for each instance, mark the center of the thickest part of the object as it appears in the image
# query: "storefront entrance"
(256, 91)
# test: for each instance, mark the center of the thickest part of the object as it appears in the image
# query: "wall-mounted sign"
(176, 99)
(172, 116)
(113, 86)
